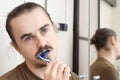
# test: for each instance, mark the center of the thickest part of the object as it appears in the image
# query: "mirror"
(109, 16)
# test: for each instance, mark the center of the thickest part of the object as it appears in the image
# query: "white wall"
(105, 14)
(9, 57)
(116, 18)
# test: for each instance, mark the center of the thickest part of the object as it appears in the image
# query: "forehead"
(29, 21)
(34, 14)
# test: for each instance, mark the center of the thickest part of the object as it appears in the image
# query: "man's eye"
(44, 30)
(28, 38)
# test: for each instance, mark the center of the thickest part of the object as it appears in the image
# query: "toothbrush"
(44, 59)
(42, 56)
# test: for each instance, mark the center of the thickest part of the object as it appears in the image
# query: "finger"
(48, 69)
(61, 69)
(54, 70)
(66, 73)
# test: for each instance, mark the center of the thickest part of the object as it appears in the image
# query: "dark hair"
(101, 36)
(25, 7)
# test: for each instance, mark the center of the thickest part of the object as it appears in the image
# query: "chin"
(41, 64)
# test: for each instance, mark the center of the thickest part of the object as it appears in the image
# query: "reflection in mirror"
(109, 17)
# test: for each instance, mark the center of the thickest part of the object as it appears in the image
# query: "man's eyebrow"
(31, 33)
(25, 35)
(45, 25)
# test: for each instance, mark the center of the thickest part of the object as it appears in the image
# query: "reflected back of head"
(101, 36)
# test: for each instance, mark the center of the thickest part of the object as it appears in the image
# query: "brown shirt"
(104, 69)
(21, 72)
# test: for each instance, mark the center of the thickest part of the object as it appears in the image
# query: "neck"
(108, 55)
(39, 72)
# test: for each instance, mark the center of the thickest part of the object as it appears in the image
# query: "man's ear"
(113, 40)
(15, 46)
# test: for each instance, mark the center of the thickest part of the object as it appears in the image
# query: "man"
(32, 32)
(108, 47)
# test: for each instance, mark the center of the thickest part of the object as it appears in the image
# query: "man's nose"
(41, 41)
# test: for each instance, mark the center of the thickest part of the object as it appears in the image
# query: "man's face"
(33, 31)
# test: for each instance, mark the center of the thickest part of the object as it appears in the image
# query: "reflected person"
(107, 45)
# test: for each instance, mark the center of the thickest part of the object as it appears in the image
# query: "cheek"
(27, 51)
(52, 36)
(54, 40)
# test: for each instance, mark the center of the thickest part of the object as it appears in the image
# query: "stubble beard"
(41, 64)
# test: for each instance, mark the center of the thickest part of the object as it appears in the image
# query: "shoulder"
(110, 74)
(100, 65)
(11, 74)
(74, 76)
(104, 69)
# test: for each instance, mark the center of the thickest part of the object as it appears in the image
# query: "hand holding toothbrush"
(56, 70)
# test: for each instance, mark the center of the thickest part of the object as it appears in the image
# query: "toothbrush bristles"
(44, 59)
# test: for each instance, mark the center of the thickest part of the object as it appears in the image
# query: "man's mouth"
(43, 55)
